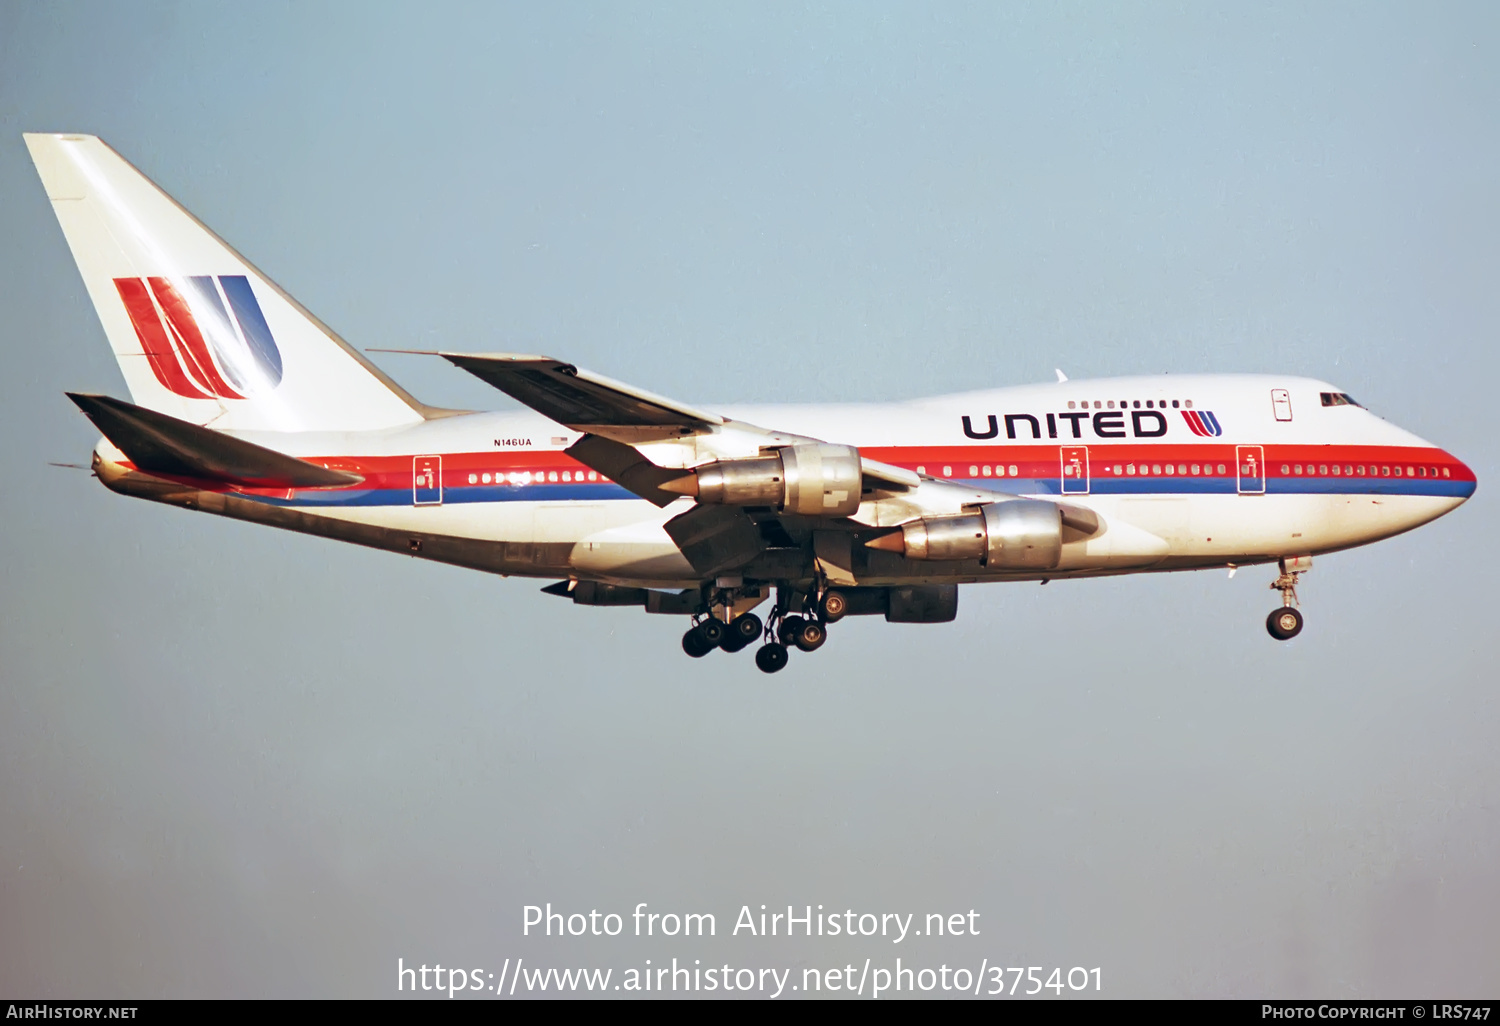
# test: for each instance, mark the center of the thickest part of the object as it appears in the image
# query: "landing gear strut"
(1286, 623)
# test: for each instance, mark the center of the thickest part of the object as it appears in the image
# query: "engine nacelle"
(1023, 534)
(814, 480)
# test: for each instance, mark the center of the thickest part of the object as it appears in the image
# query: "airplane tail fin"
(199, 333)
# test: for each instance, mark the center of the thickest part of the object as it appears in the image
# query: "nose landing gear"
(1286, 623)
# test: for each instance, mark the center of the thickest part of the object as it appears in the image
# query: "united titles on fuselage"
(1102, 423)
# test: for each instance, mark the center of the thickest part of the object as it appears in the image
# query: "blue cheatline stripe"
(1211, 422)
(1370, 486)
(609, 492)
(1227, 486)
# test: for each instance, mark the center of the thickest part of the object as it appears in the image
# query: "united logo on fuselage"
(207, 340)
(1121, 423)
(1202, 422)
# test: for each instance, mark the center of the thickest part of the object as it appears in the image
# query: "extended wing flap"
(159, 444)
(715, 538)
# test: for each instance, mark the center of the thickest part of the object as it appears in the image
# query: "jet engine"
(815, 480)
(1023, 534)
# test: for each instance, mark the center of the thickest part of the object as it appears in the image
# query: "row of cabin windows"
(1126, 470)
(1125, 404)
(1001, 470)
(998, 470)
(1209, 469)
(1360, 470)
(525, 477)
(1159, 469)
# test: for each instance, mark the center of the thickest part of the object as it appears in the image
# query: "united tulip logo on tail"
(212, 343)
(1202, 422)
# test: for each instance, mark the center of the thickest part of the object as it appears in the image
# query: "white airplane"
(247, 406)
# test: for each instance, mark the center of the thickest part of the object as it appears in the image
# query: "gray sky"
(240, 762)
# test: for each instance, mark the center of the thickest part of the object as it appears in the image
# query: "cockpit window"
(1339, 399)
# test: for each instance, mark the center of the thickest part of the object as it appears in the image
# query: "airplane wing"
(624, 414)
(583, 400)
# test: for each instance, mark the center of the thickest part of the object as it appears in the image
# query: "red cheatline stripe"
(185, 327)
(1031, 461)
(153, 339)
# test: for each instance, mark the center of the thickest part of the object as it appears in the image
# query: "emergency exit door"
(1075, 469)
(427, 481)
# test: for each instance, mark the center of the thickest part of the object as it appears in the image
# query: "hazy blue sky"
(235, 761)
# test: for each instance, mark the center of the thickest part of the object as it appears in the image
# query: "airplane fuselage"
(1184, 471)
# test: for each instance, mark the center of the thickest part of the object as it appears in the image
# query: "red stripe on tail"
(153, 338)
(185, 327)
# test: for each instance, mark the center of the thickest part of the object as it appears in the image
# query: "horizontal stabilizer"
(159, 444)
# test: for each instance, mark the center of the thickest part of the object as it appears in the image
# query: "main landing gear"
(710, 633)
(798, 620)
(1286, 623)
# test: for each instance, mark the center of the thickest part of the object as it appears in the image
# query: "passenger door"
(1251, 464)
(1075, 469)
(427, 481)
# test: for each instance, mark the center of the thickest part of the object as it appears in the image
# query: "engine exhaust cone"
(686, 485)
